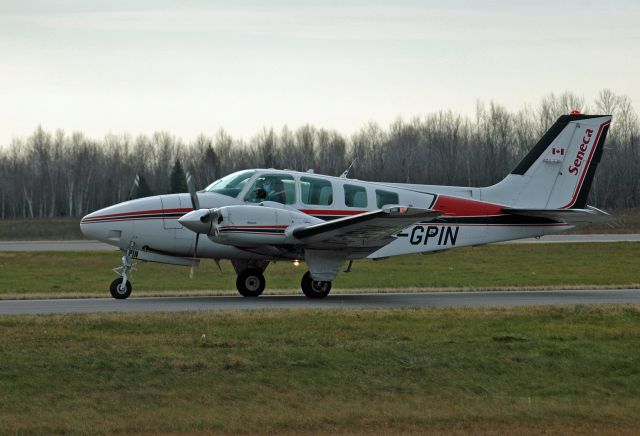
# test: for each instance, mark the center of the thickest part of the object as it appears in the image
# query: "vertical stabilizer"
(558, 171)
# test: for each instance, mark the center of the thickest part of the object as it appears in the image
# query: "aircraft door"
(171, 208)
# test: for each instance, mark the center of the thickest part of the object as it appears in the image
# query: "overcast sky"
(191, 67)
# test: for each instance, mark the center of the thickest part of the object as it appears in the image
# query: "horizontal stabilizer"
(589, 215)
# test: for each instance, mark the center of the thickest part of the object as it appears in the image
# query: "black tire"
(250, 283)
(313, 288)
(118, 293)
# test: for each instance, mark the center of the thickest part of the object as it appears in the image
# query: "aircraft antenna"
(344, 175)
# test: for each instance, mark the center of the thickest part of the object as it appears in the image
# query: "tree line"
(52, 174)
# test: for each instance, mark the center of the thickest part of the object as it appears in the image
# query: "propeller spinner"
(199, 220)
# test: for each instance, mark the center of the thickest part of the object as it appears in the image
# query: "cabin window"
(280, 188)
(384, 198)
(316, 191)
(355, 196)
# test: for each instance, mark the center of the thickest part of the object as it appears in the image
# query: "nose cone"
(198, 221)
(92, 226)
(114, 224)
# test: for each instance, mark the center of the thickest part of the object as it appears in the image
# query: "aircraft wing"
(366, 230)
(570, 216)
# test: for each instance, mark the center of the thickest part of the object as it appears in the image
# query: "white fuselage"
(152, 223)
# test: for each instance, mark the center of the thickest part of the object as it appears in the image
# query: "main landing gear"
(314, 288)
(121, 287)
(250, 282)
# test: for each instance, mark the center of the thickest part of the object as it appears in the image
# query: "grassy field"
(625, 221)
(56, 229)
(60, 274)
(526, 370)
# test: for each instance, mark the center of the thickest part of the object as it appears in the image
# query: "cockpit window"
(273, 187)
(232, 184)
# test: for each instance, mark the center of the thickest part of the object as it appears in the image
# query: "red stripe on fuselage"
(454, 206)
(143, 212)
(115, 220)
(327, 212)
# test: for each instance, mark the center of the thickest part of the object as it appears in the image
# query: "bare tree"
(57, 174)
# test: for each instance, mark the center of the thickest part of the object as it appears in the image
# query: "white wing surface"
(366, 230)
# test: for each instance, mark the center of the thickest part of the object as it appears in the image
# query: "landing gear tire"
(119, 291)
(250, 283)
(313, 288)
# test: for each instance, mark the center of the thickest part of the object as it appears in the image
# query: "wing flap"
(369, 229)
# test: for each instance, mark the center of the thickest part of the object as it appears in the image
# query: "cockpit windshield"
(232, 184)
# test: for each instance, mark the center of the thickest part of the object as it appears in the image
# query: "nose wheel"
(250, 282)
(121, 287)
(314, 288)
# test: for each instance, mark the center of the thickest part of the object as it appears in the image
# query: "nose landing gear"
(121, 287)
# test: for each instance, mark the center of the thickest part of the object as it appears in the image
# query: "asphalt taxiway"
(335, 301)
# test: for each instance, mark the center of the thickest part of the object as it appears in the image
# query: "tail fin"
(558, 171)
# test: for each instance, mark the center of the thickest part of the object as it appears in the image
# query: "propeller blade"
(195, 254)
(195, 248)
(134, 188)
(195, 202)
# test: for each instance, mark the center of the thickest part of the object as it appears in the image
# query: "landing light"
(296, 262)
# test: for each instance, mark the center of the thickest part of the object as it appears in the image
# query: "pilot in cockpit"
(275, 190)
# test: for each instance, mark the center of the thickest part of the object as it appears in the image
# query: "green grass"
(469, 370)
(624, 221)
(52, 274)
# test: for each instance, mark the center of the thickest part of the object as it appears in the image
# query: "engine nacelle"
(252, 226)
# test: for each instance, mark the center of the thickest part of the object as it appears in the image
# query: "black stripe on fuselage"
(516, 220)
(133, 217)
(174, 216)
(330, 217)
(245, 230)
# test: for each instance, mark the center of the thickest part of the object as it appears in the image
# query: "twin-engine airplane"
(254, 217)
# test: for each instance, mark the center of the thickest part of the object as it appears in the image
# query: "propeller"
(198, 220)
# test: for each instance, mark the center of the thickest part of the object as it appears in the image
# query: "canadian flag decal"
(559, 151)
